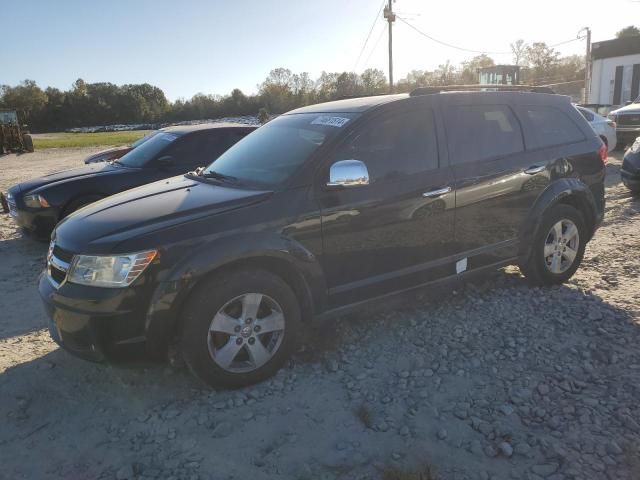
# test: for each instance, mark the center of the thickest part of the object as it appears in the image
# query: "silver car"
(605, 128)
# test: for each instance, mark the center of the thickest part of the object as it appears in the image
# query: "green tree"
(374, 81)
(630, 31)
(543, 62)
(27, 98)
(469, 73)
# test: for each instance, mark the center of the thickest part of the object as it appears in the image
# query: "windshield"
(140, 141)
(147, 151)
(271, 154)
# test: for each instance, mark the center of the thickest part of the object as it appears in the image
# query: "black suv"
(39, 204)
(322, 209)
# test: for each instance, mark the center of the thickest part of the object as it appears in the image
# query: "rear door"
(496, 181)
(387, 235)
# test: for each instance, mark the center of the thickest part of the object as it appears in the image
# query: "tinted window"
(189, 150)
(148, 150)
(481, 132)
(219, 142)
(550, 126)
(272, 153)
(586, 114)
(395, 145)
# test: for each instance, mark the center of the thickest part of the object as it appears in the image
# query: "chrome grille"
(58, 262)
(628, 119)
(13, 210)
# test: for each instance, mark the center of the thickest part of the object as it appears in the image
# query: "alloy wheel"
(561, 246)
(246, 333)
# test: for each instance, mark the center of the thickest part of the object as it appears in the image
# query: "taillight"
(604, 154)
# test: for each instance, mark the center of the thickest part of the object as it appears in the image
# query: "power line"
(369, 35)
(448, 44)
(375, 45)
(476, 51)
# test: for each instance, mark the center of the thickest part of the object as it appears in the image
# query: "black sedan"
(39, 204)
(630, 171)
(115, 153)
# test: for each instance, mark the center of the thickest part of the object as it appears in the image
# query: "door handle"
(535, 169)
(436, 193)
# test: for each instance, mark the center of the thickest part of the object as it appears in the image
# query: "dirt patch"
(497, 380)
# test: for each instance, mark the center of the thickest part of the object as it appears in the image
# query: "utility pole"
(391, 17)
(587, 67)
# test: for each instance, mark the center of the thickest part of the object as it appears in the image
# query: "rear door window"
(549, 126)
(395, 145)
(483, 132)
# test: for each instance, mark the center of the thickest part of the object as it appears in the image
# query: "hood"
(631, 108)
(75, 173)
(108, 154)
(146, 209)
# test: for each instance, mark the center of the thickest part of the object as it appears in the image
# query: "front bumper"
(630, 179)
(39, 222)
(92, 323)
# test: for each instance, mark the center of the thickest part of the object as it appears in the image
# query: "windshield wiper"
(218, 176)
(117, 162)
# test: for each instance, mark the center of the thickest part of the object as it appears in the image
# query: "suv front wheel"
(240, 328)
(558, 247)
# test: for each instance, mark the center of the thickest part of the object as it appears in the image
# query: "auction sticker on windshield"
(330, 121)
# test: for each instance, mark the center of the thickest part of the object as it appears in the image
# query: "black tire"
(28, 142)
(634, 189)
(535, 267)
(77, 204)
(212, 296)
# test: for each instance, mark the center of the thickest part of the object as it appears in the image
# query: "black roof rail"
(494, 88)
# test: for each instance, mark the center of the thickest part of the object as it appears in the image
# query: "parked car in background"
(605, 128)
(630, 170)
(627, 121)
(115, 153)
(39, 204)
(318, 211)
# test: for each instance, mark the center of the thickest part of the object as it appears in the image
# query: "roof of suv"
(362, 104)
(350, 105)
(183, 129)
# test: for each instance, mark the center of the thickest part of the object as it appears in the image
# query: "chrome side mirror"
(348, 173)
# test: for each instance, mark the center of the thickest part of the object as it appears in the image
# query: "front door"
(389, 234)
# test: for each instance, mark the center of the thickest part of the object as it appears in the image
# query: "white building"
(615, 71)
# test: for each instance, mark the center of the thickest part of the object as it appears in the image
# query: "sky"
(212, 46)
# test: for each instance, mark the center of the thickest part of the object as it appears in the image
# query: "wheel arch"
(566, 191)
(93, 197)
(163, 320)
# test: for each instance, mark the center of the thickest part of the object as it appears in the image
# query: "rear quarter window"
(483, 132)
(588, 116)
(549, 126)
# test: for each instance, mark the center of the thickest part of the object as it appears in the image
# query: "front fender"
(211, 256)
(558, 192)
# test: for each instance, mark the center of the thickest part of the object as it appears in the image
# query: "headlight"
(635, 148)
(109, 271)
(36, 201)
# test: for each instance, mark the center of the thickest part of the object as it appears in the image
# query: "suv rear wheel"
(240, 328)
(558, 247)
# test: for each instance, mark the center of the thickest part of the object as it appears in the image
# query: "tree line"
(91, 104)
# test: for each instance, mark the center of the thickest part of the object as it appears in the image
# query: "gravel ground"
(495, 380)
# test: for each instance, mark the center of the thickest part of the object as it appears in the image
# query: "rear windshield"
(147, 151)
(271, 154)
